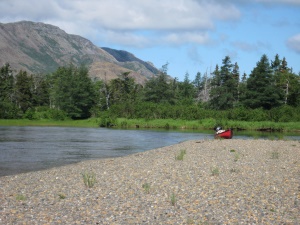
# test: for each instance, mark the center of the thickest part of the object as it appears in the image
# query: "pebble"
(251, 187)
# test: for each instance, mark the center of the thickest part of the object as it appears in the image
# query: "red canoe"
(227, 134)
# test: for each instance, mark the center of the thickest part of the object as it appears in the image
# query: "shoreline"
(218, 182)
(172, 124)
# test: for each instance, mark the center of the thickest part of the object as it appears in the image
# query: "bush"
(107, 121)
(45, 113)
(284, 114)
(9, 110)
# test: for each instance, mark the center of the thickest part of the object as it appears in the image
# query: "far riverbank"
(205, 124)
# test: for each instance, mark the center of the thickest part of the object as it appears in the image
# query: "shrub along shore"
(176, 124)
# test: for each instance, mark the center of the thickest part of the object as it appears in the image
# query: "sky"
(190, 35)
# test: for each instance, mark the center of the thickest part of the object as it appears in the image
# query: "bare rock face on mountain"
(40, 48)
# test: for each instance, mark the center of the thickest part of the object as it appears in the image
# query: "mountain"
(40, 48)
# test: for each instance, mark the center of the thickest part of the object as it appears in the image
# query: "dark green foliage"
(6, 83)
(286, 81)
(123, 89)
(45, 112)
(23, 93)
(40, 91)
(284, 113)
(159, 89)
(107, 120)
(73, 92)
(224, 91)
(8, 108)
(270, 93)
(186, 91)
(261, 88)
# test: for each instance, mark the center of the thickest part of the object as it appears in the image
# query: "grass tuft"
(20, 197)
(275, 154)
(181, 155)
(61, 196)
(89, 179)
(146, 187)
(173, 199)
(215, 171)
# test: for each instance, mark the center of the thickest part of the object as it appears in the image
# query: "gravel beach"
(217, 182)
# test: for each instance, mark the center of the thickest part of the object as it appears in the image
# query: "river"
(24, 149)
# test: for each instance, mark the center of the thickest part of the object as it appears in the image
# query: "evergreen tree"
(261, 88)
(83, 93)
(8, 109)
(286, 81)
(275, 65)
(122, 89)
(293, 90)
(186, 91)
(158, 89)
(23, 91)
(224, 91)
(40, 91)
(73, 91)
(201, 87)
(198, 82)
(242, 88)
(6, 83)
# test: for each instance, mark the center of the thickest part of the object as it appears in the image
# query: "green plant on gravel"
(275, 154)
(236, 157)
(89, 179)
(180, 155)
(234, 170)
(190, 221)
(61, 196)
(214, 171)
(272, 138)
(173, 199)
(20, 197)
(146, 187)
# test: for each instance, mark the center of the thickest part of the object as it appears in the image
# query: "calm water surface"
(24, 149)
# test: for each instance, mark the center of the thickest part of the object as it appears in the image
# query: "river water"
(24, 149)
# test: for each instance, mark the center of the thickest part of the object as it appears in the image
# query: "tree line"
(270, 92)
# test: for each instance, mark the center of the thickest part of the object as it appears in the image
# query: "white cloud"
(118, 21)
(125, 22)
(186, 37)
(153, 14)
(294, 43)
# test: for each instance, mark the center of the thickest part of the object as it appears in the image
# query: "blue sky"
(191, 35)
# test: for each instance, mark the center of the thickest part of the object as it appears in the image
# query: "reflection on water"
(24, 149)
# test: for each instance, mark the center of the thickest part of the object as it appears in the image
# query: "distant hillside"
(124, 56)
(41, 48)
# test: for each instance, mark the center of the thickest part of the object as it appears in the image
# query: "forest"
(271, 92)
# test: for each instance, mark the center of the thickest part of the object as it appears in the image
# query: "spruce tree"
(158, 89)
(224, 91)
(261, 88)
(73, 91)
(8, 109)
(23, 91)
